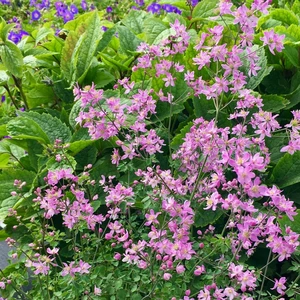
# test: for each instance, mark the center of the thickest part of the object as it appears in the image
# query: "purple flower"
(109, 9)
(67, 16)
(84, 5)
(73, 9)
(104, 28)
(14, 37)
(140, 2)
(35, 15)
(194, 2)
(154, 8)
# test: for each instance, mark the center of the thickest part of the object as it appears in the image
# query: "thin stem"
(11, 96)
(265, 273)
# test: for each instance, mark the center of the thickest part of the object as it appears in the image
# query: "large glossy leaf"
(12, 58)
(287, 170)
(52, 126)
(24, 128)
(205, 9)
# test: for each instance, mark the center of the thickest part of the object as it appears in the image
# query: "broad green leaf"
(205, 9)
(42, 33)
(287, 170)
(108, 60)
(287, 17)
(12, 58)
(4, 159)
(134, 21)
(3, 77)
(25, 128)
(292, 33)
(52, 126)
(206, 217)
(7, 178)
(163, 36)
(87, 156)
(74, 25)
(295, 225)
(274, 103)
(39, 94)
(153, 27)
(275, 143)
(106, 38)
(178, 139)
(99, 76)
(66, 54)
(74, 113)
(128, 41)
(87, 47)
(254, 81)
(66, 163)
(292, 54)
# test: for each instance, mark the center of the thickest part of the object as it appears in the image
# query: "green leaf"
(287, 17)
(153, 27)
(275, 143)
(74, 113)
(66, 54)
(87, 47)
(178, 139)
(4, 159)
(42, 33)
(254, 81)
(7, 179)
(52, 126)
(25, 128)
(86, 156)
(295, 225)
(134, 21)
(108, 60)
(207, 217)
(3, 77)
(274, 103)
(128, 41)
(292, 54)
(99, 76)
(66, 163)
(106, 38)
(39, 94)
(287, 170)
(205, 9)
(12, 58)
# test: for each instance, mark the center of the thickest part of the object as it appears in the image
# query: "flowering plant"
(174, 181)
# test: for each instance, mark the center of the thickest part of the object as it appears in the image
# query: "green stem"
(11, 96)
(18, 83)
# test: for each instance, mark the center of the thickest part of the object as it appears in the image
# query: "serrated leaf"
(207, 217)
(25, 128)
(106, 38)
(153, 27)
(178, 139)
(205, 9)
(287, 170)
(292, 54)
(287, 17)
(86, 50)
(52, 126)
(74, 113)
(128, 41)
(7, 179)
(274, 103)
(295, 225)
(42, 33)
(39, 94)
(4, 159)
(66, 54)
(12, 58)
(3, 77)
(134, 21)
(66, 163)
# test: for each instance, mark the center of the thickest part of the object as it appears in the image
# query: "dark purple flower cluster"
(67, 13)
(17, 33)
(157, 8)
(44, 4)
(5, 2)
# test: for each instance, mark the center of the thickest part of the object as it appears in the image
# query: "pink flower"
(279, 285)
(273, 41)
(152, 218)
(167, 276)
